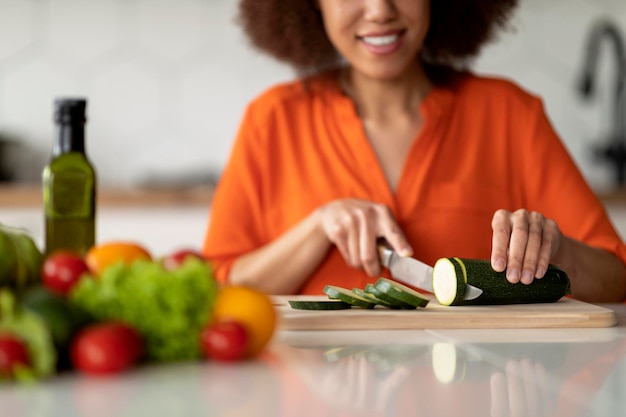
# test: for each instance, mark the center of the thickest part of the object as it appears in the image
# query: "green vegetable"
(496, 288)
(401, 292)
(371, 289)
(449, 281)
(319, 305)
(374, 299)
(168, 308)
(62, 319)
(32, 330)
(347, 296)
(20, 259)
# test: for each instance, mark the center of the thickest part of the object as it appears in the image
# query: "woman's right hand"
(354, 226)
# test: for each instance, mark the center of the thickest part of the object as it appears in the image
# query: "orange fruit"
(100, 257)
(251, 308)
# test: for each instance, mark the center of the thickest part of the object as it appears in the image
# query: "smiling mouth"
(380, 40)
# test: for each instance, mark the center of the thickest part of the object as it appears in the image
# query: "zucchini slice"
(449, 363)
(496, 288)
(373, 298)
(371, 289)
(347, 296)
(401, 292)
(449, 281)
(319, 305)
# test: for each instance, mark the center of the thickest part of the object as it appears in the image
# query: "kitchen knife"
(415, 273)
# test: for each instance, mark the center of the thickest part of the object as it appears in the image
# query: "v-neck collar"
(434, 108)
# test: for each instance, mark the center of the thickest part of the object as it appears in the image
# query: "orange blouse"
(486, 144)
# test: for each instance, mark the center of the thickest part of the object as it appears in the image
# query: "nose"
(380, 11)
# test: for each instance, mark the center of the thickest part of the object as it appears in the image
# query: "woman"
(389, 137)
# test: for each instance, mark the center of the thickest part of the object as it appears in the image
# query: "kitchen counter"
(30, 195)
(161, 219)
(496, 372)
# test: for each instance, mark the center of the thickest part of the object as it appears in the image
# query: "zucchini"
(373, 298)
(371, 289)
(449, 281)
(347, 296)
(449, 363)
(496, 289)
(401, 292)
(319, 305)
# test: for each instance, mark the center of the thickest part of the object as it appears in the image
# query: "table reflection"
(390, 373)
(446, 378)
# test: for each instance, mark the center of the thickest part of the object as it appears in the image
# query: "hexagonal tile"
(175, 30)
(215, 93)
(566, 41)
(83, 28)
(126, 96)
(16, 26)
(29, 93)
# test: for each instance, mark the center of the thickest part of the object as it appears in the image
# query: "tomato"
(252, 308)
(100, 257)
(106, 347)
(176, 259)
(224, 340)
(13, 352)
(62, 270)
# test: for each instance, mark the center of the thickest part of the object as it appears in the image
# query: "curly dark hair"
(292, 31)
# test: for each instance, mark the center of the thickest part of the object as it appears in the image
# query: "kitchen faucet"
(615, 150)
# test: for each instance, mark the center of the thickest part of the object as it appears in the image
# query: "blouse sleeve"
(235, 221)
(557, 188)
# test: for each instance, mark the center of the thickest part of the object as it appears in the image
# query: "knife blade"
(415, 273)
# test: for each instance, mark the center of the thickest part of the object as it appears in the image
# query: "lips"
(382, 43)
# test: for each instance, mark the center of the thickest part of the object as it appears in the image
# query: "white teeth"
(380, 40)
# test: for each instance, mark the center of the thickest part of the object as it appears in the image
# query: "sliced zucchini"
(319, 305)
(347, 296)
(401, 292)
(373, 298)
(496, 288)
(449, 281)
(371, 289)
(449, 363)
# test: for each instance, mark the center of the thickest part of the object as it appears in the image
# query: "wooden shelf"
(30, 196)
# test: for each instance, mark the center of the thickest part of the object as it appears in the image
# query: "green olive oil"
(69, 183)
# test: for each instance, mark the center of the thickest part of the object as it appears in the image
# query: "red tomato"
(176, 259)
(62, 270)
(224, 340)
(13, 352)
(106, 348)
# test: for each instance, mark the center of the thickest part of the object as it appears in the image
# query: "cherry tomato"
(105, 348)
(224, 340)
(176, 259)
(13, 352)
(62, 270)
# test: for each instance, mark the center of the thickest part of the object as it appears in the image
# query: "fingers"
(523, 243)
(501, 226)
(354, 226)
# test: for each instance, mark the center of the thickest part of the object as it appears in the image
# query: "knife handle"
(384, 252)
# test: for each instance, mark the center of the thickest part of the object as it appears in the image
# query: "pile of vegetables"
(168, 308)
(109, 310)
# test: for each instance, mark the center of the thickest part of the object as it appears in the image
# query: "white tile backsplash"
(168, 80)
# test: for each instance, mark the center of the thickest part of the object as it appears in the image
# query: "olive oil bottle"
(69, 183)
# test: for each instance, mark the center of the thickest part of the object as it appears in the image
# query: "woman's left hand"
(523, 243)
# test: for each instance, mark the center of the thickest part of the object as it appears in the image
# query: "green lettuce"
(169, 308)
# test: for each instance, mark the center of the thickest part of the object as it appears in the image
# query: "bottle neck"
(70, 138)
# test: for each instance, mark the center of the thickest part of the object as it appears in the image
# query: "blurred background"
(167, 81)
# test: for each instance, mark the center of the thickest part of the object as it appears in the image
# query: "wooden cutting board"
(566, 313)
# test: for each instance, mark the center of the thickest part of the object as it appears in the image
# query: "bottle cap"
(70, 110)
